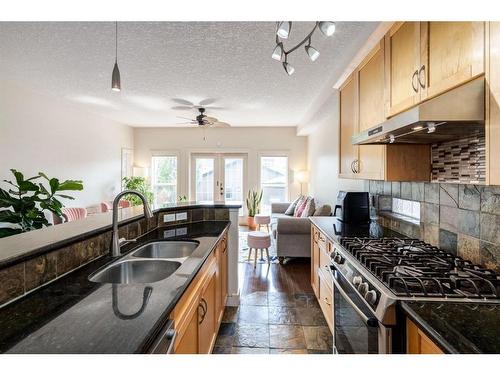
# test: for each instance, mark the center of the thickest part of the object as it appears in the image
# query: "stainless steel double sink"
(148, 263)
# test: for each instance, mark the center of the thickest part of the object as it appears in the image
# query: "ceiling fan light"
(278, 52)
(284, 29)
(288, 68)
(327, 27)
(312, 52)
(115, 79)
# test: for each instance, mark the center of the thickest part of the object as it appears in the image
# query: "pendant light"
(115, 78)
(312, 52)
(284, 29)
(278, 52)
(327, 27)
(288, 68)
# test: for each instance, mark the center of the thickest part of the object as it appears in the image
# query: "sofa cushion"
(299, 205)
(291, 209)
(324, 210)
(309, 209)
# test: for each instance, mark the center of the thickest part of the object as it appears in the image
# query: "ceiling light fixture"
(115, 77)
(284, 28)
(283, 32)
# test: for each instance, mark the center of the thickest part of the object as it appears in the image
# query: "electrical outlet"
(181, 231)
(169, 233)
(181, 216)
(168, 218)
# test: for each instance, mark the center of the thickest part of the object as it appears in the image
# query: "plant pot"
(251, 223)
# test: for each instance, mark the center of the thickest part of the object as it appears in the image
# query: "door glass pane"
(204, 179)
(164, 179)
(273, 181)
(233, 180)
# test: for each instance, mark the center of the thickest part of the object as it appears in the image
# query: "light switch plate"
(168, 218)
(181, 216)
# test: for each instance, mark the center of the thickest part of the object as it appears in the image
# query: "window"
(405, 207)
(273, 181)
(164, 179)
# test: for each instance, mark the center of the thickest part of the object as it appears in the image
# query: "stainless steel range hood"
(453, 115)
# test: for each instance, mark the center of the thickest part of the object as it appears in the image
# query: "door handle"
(203, 310)
(352, 166)
(415, 74)
(356, 166)
(421, 82)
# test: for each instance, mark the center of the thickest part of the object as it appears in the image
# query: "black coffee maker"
(354, 207)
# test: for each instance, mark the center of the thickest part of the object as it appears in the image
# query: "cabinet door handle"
(352, 166)
(326, 301)
(415, 87)
(356, 166)
(421, 82)
(202, 305)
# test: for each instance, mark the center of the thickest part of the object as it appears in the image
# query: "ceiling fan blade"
(207, 101)
(185, 118)
(220, 124)
(183, 102)
(182, 108)
(210, 119)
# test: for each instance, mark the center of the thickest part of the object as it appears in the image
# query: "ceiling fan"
(205, 121)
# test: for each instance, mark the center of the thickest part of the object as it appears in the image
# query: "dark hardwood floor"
(278, 313)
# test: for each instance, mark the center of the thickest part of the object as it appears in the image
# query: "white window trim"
(176, 154)
(272, 153)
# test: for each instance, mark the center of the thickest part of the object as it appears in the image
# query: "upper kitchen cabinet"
(493, 105)
(348, 127)
(370, 78)
(402, 51)
(451, 53)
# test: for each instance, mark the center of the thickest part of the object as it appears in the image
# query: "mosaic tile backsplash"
(461, 218)
(460, 161)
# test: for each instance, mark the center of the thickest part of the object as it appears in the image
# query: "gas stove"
(385, 270)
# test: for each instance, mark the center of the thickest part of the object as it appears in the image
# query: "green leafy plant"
(138, 184)
(24, 204)
(253, 202)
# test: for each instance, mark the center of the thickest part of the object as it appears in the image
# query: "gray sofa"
(292, 234)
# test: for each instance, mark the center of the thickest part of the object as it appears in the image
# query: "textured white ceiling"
(226, 63)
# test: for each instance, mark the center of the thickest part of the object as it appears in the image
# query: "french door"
(218, 177)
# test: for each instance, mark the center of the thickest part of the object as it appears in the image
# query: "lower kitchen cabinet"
(493, 105)
(417, 342)
(325, 297)
(199, 312)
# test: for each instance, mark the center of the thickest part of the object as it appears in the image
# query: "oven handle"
(371, 322)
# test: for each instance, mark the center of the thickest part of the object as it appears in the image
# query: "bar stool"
(258, 241)
(263, 220)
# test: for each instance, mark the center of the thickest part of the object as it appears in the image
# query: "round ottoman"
(258, 240)
(262, 220)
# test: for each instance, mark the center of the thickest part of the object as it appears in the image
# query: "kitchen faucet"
(115, 245)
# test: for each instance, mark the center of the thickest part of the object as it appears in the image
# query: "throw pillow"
(291, 209)
(301, 206)
(309, 209)
(325, 210)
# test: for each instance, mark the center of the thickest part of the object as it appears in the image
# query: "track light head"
(278, 52)
(284, 29)
(312, 52)
(288, 68)
(327, 27)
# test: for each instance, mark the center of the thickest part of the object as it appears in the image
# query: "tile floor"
(278, 314)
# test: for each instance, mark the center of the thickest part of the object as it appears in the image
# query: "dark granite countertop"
(74, 315)
(458, 327)
(334, 229)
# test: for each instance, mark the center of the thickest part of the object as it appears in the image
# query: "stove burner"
(413, 268)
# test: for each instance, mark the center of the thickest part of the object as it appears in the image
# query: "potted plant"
(138, 184)
(23, 206)
(253, 206)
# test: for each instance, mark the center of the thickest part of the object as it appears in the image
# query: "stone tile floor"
(274, 323)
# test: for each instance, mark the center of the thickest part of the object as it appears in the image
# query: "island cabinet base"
(417, 342)
(198, 314)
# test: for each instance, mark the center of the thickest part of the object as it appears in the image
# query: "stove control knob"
(356, 280)
(338, 258)
(371, 297)
(363, 288)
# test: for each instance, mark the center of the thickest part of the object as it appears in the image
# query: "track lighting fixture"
(283, 31)
(327, 27)
(115, 77)
(284, 28)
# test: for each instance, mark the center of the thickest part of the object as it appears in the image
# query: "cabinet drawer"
(326, 297)
(324, 263)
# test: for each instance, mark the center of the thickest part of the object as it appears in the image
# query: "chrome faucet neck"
(115, 244)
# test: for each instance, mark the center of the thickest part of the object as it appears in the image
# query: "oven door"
(355, 327)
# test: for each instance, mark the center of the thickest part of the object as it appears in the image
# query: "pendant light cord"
(116, 41)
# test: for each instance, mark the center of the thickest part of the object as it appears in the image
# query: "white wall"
(323, 153)
(42, 133)
(253, 141)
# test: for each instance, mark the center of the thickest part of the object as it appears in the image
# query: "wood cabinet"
(493, 105)
(425, 59)
(348, 127)
(199, 312)
(325, 298)
(314, 260)
(417, 342)
(402, 51)
(451, 54)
